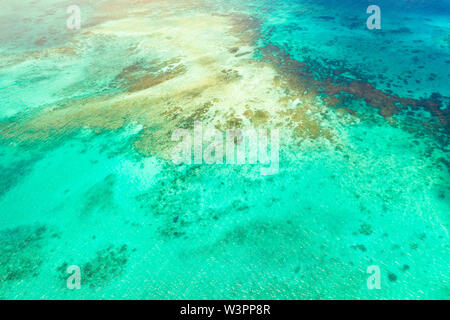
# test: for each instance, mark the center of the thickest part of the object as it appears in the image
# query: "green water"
(77, 186)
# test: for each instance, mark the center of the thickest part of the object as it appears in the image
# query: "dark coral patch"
(100, 196)
(365, 229)
(392, 277)
(330, 81)
(21, 252)
(108, 264)
(360, 247)
(11, 175)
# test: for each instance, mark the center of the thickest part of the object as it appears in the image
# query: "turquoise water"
(86, 178)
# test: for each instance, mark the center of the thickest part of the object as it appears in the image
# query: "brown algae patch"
(335, 90)
(198, 76)
(137, 77)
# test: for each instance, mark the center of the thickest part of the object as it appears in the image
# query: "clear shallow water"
(86, 179)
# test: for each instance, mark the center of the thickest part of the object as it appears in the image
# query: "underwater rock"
(366, 229)
(392, 277)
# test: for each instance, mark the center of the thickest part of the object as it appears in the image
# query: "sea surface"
(86, 171)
